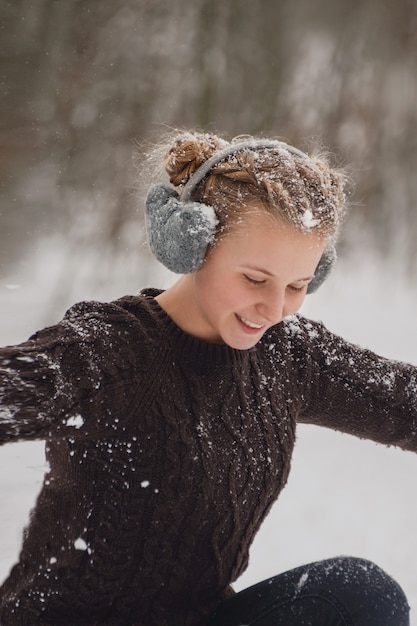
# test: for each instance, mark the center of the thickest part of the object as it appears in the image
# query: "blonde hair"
(302, 190)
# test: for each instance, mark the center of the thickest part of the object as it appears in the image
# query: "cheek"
(293, 304)
(211, 292)
(220, 291)
(223, 301)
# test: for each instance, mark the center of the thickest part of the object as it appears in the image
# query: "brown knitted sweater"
(167, 452)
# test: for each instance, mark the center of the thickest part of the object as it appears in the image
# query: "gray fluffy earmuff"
(323, 269)
(180, 230)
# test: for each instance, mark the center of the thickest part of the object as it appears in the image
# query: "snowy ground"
(343, 497)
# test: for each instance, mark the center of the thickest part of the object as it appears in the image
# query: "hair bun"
(188, 152)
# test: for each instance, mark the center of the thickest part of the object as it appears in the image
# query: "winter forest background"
(86, 82)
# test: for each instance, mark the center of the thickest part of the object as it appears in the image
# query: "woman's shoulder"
(117, 328)
(142, 306)
(130, 318)
(294, 330)
(302, 340)
(129, 311)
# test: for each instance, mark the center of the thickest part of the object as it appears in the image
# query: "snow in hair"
(288, 183)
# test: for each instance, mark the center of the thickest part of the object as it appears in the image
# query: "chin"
(242, 344)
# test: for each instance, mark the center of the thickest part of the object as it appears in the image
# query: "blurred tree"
(83, 80)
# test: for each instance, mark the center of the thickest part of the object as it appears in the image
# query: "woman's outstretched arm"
(71, 379)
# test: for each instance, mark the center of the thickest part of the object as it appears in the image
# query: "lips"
(250, 324)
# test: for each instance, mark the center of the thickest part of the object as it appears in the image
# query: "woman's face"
(251, 280)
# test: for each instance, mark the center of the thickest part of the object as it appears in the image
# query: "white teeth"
(250, 324)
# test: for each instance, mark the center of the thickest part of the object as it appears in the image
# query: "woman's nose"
(272, 306)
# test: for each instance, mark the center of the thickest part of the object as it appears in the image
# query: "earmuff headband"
(234, 148)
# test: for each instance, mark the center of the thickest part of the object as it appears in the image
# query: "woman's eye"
(254, 281)
(297, 289)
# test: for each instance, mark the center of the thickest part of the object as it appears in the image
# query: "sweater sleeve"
(351, 389)
(72, 379)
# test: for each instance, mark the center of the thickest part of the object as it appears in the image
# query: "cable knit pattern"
(166, 453)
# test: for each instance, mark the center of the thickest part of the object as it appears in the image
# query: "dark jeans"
(337, 592)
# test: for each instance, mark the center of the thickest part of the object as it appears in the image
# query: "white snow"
(344, 496)
(308, 220)
(76, 421)
(210, 215)
(302, 581)
(80, 544)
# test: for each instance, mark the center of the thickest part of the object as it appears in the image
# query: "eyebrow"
(258, 269)
(268, 273)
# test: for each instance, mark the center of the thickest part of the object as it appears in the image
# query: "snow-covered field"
(343, 496)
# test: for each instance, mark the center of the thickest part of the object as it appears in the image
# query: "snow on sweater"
(167, 452)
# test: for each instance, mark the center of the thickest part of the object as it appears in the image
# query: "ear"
(179, 232)
(323, 269)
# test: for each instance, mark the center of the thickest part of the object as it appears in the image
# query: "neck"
(179, 303)
(176, 301)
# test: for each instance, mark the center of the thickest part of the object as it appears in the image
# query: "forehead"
(265, 227)
(275, 246)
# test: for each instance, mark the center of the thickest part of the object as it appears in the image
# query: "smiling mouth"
(250, 324)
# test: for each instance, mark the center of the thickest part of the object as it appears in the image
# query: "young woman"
(170, 417)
